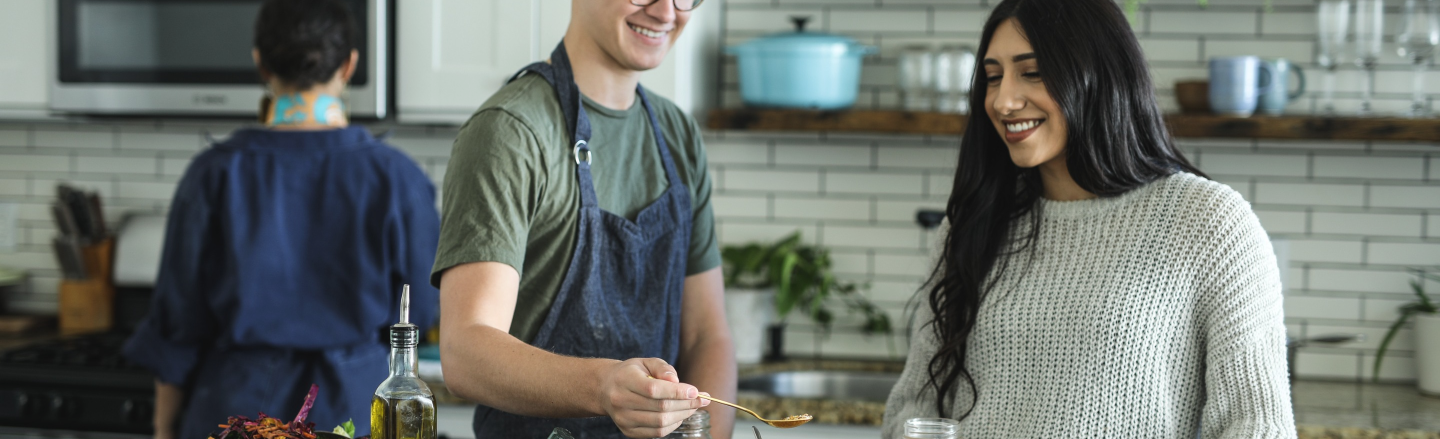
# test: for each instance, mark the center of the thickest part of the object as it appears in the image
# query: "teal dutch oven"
(800, 69)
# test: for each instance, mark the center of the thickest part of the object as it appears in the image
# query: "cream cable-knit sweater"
(1147, 315)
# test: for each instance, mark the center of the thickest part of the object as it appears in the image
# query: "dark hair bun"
(303, 42)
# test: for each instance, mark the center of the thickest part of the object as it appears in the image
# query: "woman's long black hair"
(1092, 66)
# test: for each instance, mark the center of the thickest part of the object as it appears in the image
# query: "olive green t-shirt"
(511, 194)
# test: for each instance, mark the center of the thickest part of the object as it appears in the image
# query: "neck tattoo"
(309, 109)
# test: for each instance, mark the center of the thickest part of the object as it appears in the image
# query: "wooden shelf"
(1181, 125)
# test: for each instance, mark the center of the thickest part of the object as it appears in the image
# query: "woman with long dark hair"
(1093, 283)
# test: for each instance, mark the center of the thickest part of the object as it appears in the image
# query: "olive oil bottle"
(403, 407)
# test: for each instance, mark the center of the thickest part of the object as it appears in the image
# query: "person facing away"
(1092, 283)
(286, 248)
(578, 264)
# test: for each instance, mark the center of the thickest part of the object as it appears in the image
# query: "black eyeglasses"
(680, 5)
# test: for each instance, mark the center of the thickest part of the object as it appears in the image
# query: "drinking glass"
(931, 428)
(1417, 40)
(1369, 32)
(1333, 22)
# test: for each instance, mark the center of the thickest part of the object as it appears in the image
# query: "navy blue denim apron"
(621, 295)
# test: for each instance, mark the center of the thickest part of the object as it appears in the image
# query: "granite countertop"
(1352, 410)
(1356, 410)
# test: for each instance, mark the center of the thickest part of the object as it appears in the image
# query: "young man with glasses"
(577, 259)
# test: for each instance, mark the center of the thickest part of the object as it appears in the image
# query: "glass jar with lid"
(697, 426)
(954, 70)
(916, 78)
(932, 428)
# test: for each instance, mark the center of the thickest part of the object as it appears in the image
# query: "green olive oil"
(403, 407)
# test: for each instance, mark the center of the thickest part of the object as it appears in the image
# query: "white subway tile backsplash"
(1327, 365)
(874, 183)
(728, 152)
(1282, 221)
(897, 292)
(1287, 23)
(821, 208)
(165, 141)
(35, 163)
(158, 191)
(1421, 197)
(1408, 254)
(1300, 52)
(1406, 168)
(1381, 310)
(767, 20)
(873, 237)
(969, 21)
(916, 265)
(1397, 366)
(1310, 250)
(878, 20)
(14, 138)
(854, 263)
(118, 165)
(1360, 281)
(1432, 226)
(75, 139)
(788, 181)
(14, 186)
(174, 166)
(919, 157)
(903, 210)
(1186, 49)
(1372, 224)
(734, 232)
(1310, 307)
(1209, 23)
(725, 206)
(1285, 165)
(823, 155)
(1310, 194)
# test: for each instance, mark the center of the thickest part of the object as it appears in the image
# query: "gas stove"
(79, 384)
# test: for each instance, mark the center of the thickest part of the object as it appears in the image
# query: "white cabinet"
(452, 55)
(26, 28)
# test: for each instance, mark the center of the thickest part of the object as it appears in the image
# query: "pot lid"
(802, 41)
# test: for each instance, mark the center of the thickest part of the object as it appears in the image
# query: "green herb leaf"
(349, 427)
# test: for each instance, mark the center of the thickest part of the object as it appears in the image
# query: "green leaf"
(349, 427)
(1389, 336)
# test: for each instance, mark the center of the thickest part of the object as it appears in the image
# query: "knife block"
(88, 305)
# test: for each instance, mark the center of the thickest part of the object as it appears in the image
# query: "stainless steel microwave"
(189, 57)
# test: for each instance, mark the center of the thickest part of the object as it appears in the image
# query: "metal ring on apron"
(582, 146)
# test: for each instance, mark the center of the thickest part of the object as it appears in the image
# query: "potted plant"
(800, 277)
(1427, 335)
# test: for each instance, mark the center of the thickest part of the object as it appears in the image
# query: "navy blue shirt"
(283, 261)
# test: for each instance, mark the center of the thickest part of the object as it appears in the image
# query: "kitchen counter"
(1348, 410)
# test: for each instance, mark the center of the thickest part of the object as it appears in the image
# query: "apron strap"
(558, 73)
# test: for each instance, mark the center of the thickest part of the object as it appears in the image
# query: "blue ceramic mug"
(1275, 97)
(1236, 84)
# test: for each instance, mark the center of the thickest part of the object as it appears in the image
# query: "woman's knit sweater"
(1147, 315)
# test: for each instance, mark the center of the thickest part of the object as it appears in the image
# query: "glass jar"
(697, 426)
(954, 70)
(916, 78)
(932, 428)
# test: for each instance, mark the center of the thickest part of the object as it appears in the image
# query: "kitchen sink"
(870, 386)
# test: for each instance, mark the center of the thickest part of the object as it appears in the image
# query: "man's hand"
(645, 398)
